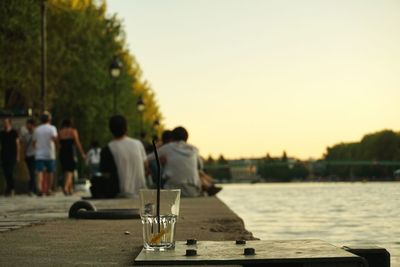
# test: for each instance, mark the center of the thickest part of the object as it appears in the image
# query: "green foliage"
(82, 40)
(222, 160)
(281, 169)
(210, 160)
(19, 53)
(218, 169)
(383, 145)
(375, 147)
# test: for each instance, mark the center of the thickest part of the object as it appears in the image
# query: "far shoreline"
(308, 182)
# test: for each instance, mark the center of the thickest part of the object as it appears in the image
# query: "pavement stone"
(23, 210)
(60, 241)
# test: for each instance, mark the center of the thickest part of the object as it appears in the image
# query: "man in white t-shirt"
(124, 157)
(44, 142)
(181, 169)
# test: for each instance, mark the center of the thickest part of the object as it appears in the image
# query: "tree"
(222, 160)
(81, 41)
(284, 156)
(19, 53)
(210, 160)
(379, 146)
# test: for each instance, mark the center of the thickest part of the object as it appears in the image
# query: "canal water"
(339, 213)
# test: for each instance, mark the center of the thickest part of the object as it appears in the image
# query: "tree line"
(381, 150)
(82, 41)
(375, 157)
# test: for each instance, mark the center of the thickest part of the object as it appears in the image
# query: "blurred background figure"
(93, 159)
(122, 164)
(27, 140)
(148, 147)
(208, 184)
(10, 148)
(44, 142)
(69, 140)
(166, 137)
(181, 161)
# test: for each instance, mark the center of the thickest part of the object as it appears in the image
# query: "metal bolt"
(191, 252)
(249, 251)
(240, 242)
(190, 242)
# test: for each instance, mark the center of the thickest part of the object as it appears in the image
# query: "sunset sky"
(251, 77)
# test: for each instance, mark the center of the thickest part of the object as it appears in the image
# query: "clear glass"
(159, 236)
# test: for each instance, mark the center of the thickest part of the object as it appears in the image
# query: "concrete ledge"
(105, 242)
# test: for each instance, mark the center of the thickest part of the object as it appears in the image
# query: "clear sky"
(247, 77)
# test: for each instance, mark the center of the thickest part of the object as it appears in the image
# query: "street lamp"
(156, 124)
(43, 57)
(140, 107)
(115, 71)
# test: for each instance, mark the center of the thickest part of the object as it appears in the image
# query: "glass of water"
(159, 233)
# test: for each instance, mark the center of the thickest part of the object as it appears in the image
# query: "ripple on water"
(339, 213)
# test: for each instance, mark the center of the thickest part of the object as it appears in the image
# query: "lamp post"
(156, 124)
(43, 54)
(140, 107)
(115, 71)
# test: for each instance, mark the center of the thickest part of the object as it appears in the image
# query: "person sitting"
(93, 159)
(181, 161)
(208, 184)
(122, 164)
(166, 137)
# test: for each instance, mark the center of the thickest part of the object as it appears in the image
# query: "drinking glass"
(159, 233)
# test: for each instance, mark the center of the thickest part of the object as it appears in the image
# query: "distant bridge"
(247, 169)
(289, 162)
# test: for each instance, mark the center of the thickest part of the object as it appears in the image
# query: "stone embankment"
(36, 231)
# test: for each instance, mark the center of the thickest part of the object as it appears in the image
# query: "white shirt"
(129, 156)
(27, 140)
(182, 166)
(44, 142)
(93, 156)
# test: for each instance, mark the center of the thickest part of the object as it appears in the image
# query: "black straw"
(158, 183)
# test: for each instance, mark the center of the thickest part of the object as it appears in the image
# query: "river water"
(339, 213)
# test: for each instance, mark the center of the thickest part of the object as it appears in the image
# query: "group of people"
(182, 165)
(120, 169)
(40, 143)
(125, 165)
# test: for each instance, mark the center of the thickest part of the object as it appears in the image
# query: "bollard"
(191, 252)
(375, 256)
(191, 242)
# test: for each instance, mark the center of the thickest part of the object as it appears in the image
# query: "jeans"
(30, 163)
(8, 169)
(45, 164)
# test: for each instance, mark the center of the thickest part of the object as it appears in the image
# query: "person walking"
(44, 142)
(27, 140)
(10, 149)
(69, 140)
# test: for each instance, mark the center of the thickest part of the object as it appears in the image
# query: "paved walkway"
(60, 241)
(23, 210)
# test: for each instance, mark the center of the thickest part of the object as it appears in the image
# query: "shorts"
(45, 164)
